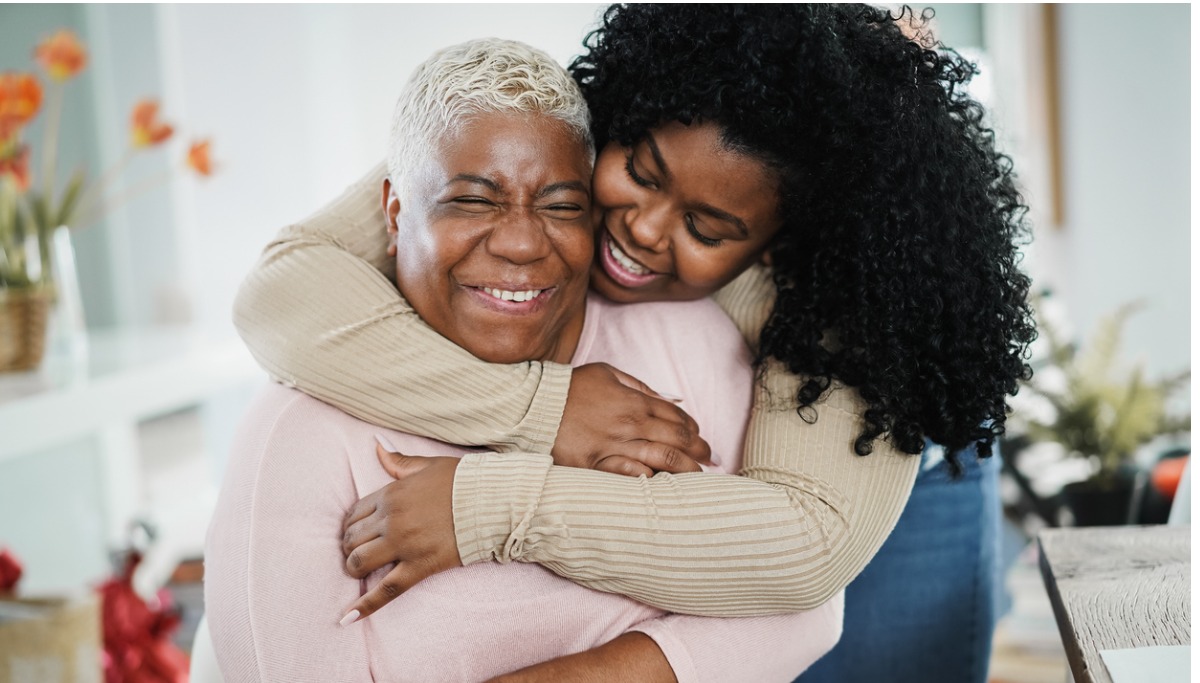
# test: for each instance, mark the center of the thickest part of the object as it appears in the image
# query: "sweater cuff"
(672, 647)
(537, 431)
(495, 498)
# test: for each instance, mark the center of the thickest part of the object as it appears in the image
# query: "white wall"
(1125, 93)
(298, 101)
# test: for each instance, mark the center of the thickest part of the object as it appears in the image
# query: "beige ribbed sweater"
(320, 313)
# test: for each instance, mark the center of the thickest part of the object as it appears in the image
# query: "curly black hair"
(897, 266)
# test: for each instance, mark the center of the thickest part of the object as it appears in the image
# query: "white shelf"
(72, 476)
(129, 375)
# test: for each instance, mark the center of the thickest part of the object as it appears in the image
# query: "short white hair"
(480, 76)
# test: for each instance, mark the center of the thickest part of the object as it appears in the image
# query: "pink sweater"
(275, 585)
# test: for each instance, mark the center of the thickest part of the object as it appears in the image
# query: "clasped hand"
(612, 422)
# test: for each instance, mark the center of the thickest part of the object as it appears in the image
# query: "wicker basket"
(23, 315)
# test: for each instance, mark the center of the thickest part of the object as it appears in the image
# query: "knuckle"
(685, 434)
(632, 419)
(389, 589)
(672, 458)
(354, 561)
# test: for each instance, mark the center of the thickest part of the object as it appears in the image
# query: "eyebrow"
(705, 208)
(724, 216)
(564, 185)
(467, 177)
(658, 157)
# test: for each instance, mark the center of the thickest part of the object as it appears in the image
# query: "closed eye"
(695, 232)
(633, 174)
(472, 204)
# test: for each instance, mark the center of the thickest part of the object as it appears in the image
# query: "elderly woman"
(488, 195)
(821, 141)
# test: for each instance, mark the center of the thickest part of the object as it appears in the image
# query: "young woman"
(819, 140)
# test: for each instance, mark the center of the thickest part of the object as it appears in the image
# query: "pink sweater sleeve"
(772, 648)
(267, 606)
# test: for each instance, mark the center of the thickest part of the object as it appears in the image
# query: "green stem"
(125, 197)
(95, 192)
(50, 143)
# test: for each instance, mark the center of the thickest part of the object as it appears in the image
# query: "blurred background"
(116, 439)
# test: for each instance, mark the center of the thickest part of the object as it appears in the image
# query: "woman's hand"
(615, 423)
(410, 522)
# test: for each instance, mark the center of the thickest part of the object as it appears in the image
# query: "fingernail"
(670, 397)
(384, 443)
(350, 618)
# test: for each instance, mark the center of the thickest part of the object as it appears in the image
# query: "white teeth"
(505, 295)
(626, 262)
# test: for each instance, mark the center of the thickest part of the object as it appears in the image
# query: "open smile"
(621, 267)
(520, 299)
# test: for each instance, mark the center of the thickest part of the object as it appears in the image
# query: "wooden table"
(1117, 587)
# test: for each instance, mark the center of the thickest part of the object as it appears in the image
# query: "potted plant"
(1102, 411)
(33, 208)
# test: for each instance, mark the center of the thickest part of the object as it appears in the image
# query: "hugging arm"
(319, 313)
(691, 649)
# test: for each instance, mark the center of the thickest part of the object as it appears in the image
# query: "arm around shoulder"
(320, 312)
(803, 520)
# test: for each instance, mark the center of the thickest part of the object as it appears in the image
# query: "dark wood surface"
(1117, 587)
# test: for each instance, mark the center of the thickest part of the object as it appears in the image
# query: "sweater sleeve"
(275, 586)
(320, 313)
(801, 522)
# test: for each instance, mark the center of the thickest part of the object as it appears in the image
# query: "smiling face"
(494, 230)
(682, 215)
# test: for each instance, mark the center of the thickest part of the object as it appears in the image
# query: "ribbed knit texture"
(319, 312)
(275, 580)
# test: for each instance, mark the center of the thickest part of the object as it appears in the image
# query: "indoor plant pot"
(1105, 500)
(23, 316)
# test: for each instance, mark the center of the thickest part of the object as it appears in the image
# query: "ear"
(765, 259)
(391, 209)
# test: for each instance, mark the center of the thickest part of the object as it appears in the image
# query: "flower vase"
(47, 315)
(67, 333)
(23, 316)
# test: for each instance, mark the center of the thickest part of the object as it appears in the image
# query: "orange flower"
(61, 55)
(17, 167)
(20, 99)
(198, 158)
(146, 129)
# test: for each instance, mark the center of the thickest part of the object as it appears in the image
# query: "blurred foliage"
(1102, 408)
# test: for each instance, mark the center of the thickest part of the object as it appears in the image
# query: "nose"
(519, 236)
(647, 224)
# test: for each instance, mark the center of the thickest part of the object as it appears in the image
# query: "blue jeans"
(924, 609)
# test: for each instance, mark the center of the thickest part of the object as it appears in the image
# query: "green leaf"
(70, 201)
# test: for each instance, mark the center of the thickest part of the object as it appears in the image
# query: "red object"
(17, 167)
(10, 572)
(137, 638)
(198, 158)
(1166, 475)
(145, 127)
(61, 55)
